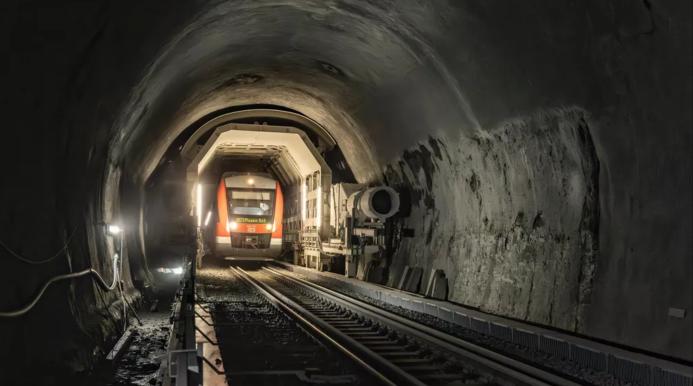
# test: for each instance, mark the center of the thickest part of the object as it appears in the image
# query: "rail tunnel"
(538, 153)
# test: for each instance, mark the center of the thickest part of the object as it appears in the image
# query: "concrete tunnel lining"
(299, 148)
(190, 148)
(297, 157)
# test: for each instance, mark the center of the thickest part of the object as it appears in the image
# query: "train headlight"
(270, 227)
(233, 225)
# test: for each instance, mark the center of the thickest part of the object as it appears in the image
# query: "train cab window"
(251, 202)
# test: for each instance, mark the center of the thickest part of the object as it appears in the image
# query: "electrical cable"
(117, 274)
(122, 300)
(107, 307)
(68, 276)
(37, 262)
(133, 312)
(120, 287)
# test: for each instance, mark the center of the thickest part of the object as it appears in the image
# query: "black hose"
(107, 307)
(68, 276)
(133, 311)
(38, 262)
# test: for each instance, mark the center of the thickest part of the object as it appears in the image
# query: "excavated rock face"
(543, 145)
(511, 216)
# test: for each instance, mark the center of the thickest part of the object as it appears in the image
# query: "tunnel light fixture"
(331, 208)
(114, 229)
(199, 204)
(209, 216)
(175, 270)
(304, 197)
(250, 181)
(318, 203)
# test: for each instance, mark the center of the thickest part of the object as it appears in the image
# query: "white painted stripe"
(223, 240)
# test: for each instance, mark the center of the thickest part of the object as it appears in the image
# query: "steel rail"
(502, 364)
(394, 376)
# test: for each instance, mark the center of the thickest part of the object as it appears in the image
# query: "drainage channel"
(400, 350)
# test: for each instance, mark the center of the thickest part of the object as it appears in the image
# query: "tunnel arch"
(183, 150)
(347, 103)
(407, 89)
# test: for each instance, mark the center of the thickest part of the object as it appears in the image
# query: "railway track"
(393, 349)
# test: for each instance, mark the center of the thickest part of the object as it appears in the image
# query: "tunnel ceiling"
(330, 67)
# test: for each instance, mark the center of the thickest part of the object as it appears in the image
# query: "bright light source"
(251, 181)
(209, 216)
(114, 229)
(270, 227)
(233, 226)
(318, 201)
(175, 271)
(304, 197)
(199, 205)
(332, 208)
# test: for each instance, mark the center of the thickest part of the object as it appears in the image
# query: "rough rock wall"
(67, 68)
(511, 215)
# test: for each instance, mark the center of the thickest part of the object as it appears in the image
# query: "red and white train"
(249, 212)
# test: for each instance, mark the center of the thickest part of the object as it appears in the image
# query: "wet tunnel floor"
(262, 346)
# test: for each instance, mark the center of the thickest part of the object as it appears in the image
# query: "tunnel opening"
(167, 208)
(289, 154)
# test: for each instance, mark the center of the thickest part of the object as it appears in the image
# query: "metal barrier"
(183, 359)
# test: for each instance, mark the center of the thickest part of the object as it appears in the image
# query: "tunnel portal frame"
(191, 147)
(299, 165)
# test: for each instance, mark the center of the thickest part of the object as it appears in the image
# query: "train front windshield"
(254, 203)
